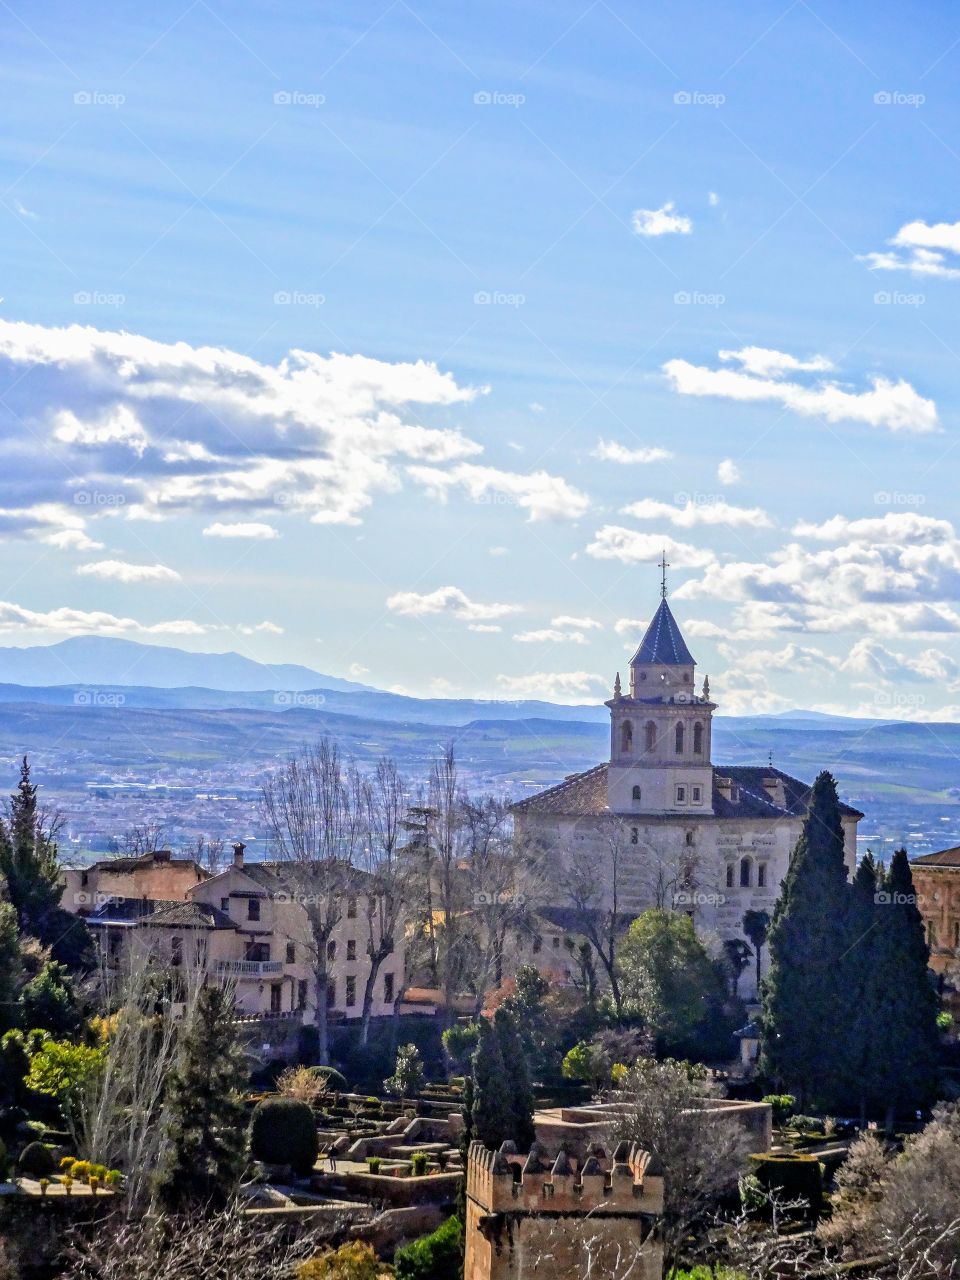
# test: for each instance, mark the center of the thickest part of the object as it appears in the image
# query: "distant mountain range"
(99, 660)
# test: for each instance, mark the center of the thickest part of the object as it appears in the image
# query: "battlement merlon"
(632, 1185)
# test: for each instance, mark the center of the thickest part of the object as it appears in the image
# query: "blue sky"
(573, 282)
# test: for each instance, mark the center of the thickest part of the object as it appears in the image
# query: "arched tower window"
(729, 875)
(746, 870)
(636, 793)
(626, 736)
(650, 736)
(679, 738)
(698, 739)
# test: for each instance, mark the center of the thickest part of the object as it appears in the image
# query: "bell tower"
(660, 732)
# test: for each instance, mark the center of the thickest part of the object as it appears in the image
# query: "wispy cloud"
(612, 451)
(664, 221)
(922, 248)
(447, 600)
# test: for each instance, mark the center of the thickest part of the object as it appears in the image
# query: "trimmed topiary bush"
(438, 1256)
(782, 1104)
(790, 1177)
(418, 1163)
(37, 1161)
(283, 1131)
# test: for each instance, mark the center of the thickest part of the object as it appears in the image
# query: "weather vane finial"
(664, 566)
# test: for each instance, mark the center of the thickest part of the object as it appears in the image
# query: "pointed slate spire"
(662, 644)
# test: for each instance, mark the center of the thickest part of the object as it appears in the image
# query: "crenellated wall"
(598, 1218)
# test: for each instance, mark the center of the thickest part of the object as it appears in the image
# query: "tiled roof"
(944, 858)
(143, 861)
(585, 794)
(117, 910)
(282, 877)
(581, 793)
(663, 644)
(188, 915)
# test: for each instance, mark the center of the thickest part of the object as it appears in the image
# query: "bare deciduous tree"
(702, 1157)
(315, 831)
(592, 877)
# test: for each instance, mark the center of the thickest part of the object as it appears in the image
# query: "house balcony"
(250, 969)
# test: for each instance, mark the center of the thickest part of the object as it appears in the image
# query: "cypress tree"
(518, 1079)
(907, 1036)
(492, 1112)
(206, 1130)
(28, 858)
(864, 982)
(803, 1005)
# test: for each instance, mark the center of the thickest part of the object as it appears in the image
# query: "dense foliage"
(438, 1256)
(283, 1131)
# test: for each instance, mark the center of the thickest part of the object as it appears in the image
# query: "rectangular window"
(730, 874)
(302, 994)
(556, 942)
(258, 951)
(681, 795)
(291, 953)
(956, 933)
(537, 946)
(351, 948)
(634, 835)
(762, 875)
(351, 992)
(225, 905)
(351, 908)
(697, 795)
(388, 988)
(331, 993)
(276, 995)
(253, 908)
(176, 949)
(331, 951)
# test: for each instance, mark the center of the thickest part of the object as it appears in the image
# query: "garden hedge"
(283, 1131)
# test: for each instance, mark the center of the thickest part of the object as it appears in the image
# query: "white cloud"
(121, 571)
(485, 628)
(869, 657)
(712, 199)
(250, 529)
(213, 430)
(728, 472)
(661, 222)
(578, 624)
(542, 496)
(268, 628)
(49, 522)
(612, 451)
(499, 551)
(691, 514)
(447, 600)
(356, 670)
(894, 405)
(67, 621)
(631, 626)
(553, 686)
(613, 542)
(551, 635)
(904, 526)
(926, 246)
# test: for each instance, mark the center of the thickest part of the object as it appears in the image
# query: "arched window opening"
(651, 736)
(746, 870)
(679, 737)
(636, 794)
(698, 739)
(626, 736)
(729, 875)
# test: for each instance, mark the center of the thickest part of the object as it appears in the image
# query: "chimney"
(238, 849)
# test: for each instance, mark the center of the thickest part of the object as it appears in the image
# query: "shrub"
(37, 1161)
(301, 1083)
(790, 1177)
(113, 1178)
(374, 1163)
(80, 1169)
(805, 1124)
(354, 1261)
(407, 1078)
(418, 1163)
(282, 1131)
(438, 1256)
(782, 1104)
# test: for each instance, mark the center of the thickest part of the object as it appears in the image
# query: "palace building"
(660, 822)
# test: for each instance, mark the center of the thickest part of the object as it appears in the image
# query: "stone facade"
(660, 822)
(527, 1218)
(936, 879)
